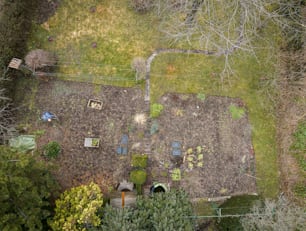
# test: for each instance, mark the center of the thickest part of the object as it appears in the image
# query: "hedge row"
(15, 27)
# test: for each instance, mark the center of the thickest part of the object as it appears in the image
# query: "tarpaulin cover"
(48, 116)
(23, 143)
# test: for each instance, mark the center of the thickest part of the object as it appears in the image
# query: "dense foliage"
(25, 191)
(235, 206)
(15, 25)
(139, 160)
(78, 208)
(52, 149)
(163, 211)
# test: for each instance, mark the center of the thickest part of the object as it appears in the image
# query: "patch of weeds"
(95, 142)
(300, 190)
(140, 135)
(139, 160)
(164, 173)
(23, 128)
(166, 165)
(156, 109)
(39, 133)
(299, 144)
(176, 174)
(51, 150)
(236, 112)
(110, 188)
(201, 96)
(204, 208)
(178, 112)
(131, 128)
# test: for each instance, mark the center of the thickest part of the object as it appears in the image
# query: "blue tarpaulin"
(123, 145)
(48, 116)
(176, 148)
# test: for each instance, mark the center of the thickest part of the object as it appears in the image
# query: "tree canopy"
(78, 208)
(25, 191)
(163, 211)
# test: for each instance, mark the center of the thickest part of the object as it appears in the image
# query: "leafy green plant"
(139, 160)
(236, 112)
(51, 150)
(156, 109)
(138, 177)
(176, 174)
(201, 96)
(78, 208)
(95, 142)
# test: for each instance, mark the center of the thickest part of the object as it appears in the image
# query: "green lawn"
(121, 35)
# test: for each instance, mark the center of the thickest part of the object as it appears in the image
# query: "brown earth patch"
(227, 153)
(226, 147)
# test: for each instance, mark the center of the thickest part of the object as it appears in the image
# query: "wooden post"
(122, 199)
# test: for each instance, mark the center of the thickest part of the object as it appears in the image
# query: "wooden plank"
(15, 63)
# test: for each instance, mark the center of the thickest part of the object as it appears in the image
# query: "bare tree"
(38, 59)
(223, 26)
(275, 216)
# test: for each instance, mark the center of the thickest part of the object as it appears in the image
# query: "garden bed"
(217, 156)
(223, 166)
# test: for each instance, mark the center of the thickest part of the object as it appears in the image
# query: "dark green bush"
(293, 31)
(51, 150)
(235, 205)
(15, 26)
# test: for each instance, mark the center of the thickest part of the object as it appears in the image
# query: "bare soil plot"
(69, 101)
(223, 166)
(217, 154)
